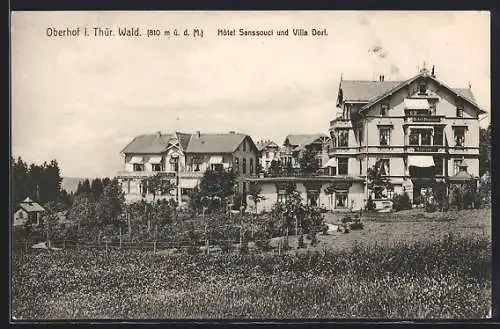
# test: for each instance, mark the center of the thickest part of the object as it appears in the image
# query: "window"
(459, 136)
(385, 168)
(138, 167)
(456, 166)
(251, 166)
(21, 215)
(340, 199)
(342, 164)
(420, 137)
(343, 140)
(422, 88)
(244, 171)
(333, 171)
(244, 146)
(281, 195)
(267, 154)
(156, 167)
(425, 137)
(460, 111)
(217, 167)
(384, 110)
(196, 167)
(432, 108)
(438, 136)
(236, 165)
(438, 165)
(385, 136)
(346, 112)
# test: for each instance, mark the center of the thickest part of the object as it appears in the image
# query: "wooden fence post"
(120, 237)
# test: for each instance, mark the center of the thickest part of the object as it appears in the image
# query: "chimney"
(433, 73)
(198, 134)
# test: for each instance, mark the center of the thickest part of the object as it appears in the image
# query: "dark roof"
(303, 139)
(153, 143)
(365, 91)
(466, 93)
(215, 143)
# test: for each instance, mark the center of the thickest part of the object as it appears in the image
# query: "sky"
(81, 100)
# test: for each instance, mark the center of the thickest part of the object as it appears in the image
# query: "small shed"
(28, 211)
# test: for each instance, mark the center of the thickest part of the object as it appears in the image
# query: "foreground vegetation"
(447, 278)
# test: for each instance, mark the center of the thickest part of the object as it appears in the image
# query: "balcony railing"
(426, 148)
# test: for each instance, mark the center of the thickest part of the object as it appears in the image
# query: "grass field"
(404, 265)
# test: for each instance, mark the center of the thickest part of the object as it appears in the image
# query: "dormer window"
(422, 89)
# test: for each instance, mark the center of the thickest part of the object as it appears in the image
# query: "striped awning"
(416, 104)
(420, 161)
(332, 162)
(215, 159)
(155, 159)
(137, 159)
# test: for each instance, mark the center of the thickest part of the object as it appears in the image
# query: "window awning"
(420, 161)
(215, 159)
(416, 104)
(449, 135)
(155, 159)
(188, 182)
(136, 159)
(331, 163)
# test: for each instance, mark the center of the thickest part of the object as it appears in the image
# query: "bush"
(370, 204)
(356, 226)
(401, 202)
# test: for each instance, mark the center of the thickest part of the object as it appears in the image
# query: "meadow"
(439, 276)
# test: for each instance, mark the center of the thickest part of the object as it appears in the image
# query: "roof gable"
(31, 207)
(459, 92)
(301, 140)
(364, 91)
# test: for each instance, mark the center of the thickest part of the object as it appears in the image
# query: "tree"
(19, 179)
(158, 184)
(96, 188)
(485, 150)
(216, 187)
(111, 204)
(84, 188)
(308, 162)
(377, 182)
(254, 190)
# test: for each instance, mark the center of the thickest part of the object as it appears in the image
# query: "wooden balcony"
(144, 174)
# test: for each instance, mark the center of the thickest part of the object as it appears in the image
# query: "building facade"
(418, 131)
(268, 151)
(295, 145)
(182, 159)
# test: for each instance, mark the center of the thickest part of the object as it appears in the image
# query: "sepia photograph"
(258, 165)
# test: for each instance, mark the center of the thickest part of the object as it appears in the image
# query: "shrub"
(356, 226)
(370, 204)
(401, 202)
(244, 247)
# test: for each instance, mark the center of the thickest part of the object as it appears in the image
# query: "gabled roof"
(29, 205)
(459, 92)
(263, 144)
(302, 139)
(216, 143)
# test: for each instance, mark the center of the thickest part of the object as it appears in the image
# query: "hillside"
(70, 183)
